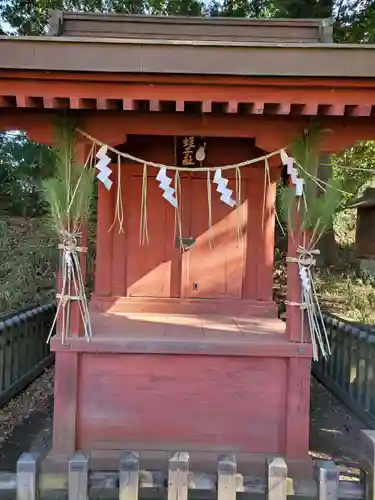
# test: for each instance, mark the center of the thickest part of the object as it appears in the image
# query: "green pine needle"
(321, 205)
(69, 192)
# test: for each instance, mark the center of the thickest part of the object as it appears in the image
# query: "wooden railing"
(349, 373)
(176, 481)
(24, 353)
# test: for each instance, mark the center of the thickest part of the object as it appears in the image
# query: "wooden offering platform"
(150, 381)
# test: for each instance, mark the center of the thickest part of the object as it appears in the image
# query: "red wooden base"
(192, 402)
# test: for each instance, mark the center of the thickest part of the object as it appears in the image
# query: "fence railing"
(349, 373)
(176, 481)
(24, 353)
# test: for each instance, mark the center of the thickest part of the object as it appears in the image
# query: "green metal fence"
(24, 353)
(350, 371)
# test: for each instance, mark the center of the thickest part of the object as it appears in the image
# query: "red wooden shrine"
(187, 350)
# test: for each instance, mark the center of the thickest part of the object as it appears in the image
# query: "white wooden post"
(368, 462)
(178, 477)
(327, 475)
(227, 478)
(27, 477)
(129, 476)
(78, 477)
(277, 479)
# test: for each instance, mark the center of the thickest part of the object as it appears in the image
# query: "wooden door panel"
(215, 264)
(153, 270)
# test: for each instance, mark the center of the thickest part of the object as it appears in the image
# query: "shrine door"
(213, 267)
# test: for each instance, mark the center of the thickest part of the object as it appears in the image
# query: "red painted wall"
(188, 400)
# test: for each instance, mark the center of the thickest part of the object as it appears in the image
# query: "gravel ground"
(26, 424)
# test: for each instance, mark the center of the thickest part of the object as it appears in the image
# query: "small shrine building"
(187, 351)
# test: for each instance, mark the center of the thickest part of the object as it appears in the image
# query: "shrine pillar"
(299, 369)
(66, 362)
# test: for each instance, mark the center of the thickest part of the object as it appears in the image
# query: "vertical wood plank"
(298, 407)
(267, 247)
(78, 477)
(177, 254)
(178, 477)
(2, 358)
(253, 191)
(187, 209)
(104, 241)
(27, 477)
(129, 476)
(8, 358)
(327, 475)
(65, 405)
(119, 238)
(227, 478)
(277, 479)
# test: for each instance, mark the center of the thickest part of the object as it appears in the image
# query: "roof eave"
(186, 57)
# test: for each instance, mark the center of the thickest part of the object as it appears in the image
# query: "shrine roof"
(190, 66)
(87, 42)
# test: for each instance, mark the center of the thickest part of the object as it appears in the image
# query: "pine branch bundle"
(320, 201)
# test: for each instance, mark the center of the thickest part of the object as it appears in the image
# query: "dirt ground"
(26, 424)
(334, 430)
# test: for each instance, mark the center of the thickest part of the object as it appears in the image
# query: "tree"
(23, 164)
(305, 8)
(355, 21)
(30, 17)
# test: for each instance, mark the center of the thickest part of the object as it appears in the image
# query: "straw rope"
(72, 278)
(174, 167)
(143, 228)
(178, 210)
(310, 303)
(209, 204)
(119, 208)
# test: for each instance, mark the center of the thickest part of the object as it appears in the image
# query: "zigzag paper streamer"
(292, 172)
(165, 185)
(102, 166)
(226, 193)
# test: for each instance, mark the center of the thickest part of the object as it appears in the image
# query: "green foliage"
(355, 168)
(68, 193)
(354, 21)
(23, 164)
(304, 9)
(347, 294)
(28, 263)
(315, 209)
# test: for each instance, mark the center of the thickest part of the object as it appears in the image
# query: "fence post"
(227, 478)
(129, 476)
(368, 461)
(327, 475)
(277, 478)
(26, 476)
(178, 476)
(78, 477)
